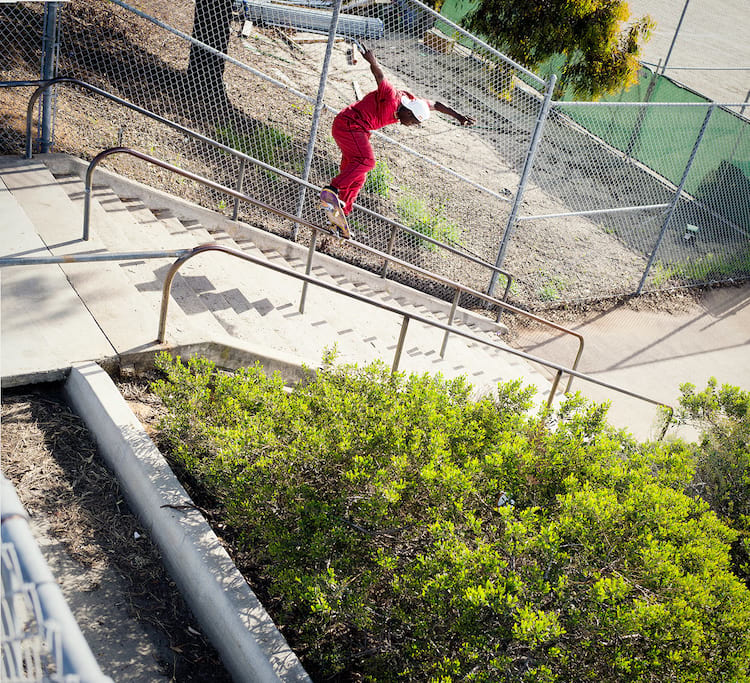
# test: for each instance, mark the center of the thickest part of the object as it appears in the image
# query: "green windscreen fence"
(662, 137)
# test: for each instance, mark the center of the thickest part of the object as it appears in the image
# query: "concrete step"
(252, 304)
(361, 332)
(370, 333)
(113, 225)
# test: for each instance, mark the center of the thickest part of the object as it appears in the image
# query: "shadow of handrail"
(459, 288)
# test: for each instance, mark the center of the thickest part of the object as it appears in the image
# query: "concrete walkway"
(653, 352)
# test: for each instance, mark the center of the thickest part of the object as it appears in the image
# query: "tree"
(600, 49)
(211, 26)
(722, 457)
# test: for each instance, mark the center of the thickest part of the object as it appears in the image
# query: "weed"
(552, 290)
(267, 144)
(379, 180)
(432, 222)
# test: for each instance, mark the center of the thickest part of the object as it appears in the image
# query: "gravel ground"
(128, 608)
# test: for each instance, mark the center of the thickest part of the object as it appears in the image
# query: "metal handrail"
(184, 255)
(460, 289)
(406, 317)
(244, 158)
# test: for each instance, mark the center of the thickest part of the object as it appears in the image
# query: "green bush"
(722, 456)
(409, 532)
(432, 222)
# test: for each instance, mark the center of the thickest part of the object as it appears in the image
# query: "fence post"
(636, 134)
(676, 198)
(318, 109)
(527, 166)
(49, 67)
(741, 133)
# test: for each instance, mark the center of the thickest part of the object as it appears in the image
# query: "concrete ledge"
(250, 645)
(293, 369)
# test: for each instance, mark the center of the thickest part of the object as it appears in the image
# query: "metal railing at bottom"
(407, 316)
(41, 640)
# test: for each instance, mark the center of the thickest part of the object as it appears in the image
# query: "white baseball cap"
(419, 108)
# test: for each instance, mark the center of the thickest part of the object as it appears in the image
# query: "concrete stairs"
(217, 299)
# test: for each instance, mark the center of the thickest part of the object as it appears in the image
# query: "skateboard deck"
(329, 202)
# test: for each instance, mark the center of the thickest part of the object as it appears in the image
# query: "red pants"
(357, 158)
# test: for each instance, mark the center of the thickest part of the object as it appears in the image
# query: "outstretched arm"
(377, 72)
(445, 109)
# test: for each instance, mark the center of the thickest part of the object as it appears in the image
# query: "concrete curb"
(249, 643)
(293, 369)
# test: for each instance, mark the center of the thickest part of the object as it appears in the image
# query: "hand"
(466, 120)
(369, 56)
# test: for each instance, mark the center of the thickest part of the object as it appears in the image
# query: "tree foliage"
(409, 532)
(722, 457)
(600, 48)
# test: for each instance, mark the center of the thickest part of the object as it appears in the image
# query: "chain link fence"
(40, 640)
(550, 197)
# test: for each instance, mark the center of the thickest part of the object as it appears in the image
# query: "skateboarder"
(351, 131)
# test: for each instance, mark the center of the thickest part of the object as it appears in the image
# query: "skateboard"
(329, 202)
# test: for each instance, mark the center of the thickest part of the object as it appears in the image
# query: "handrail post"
(87, 184)
(575, 363)
(86, 210)
(389, 251)
(29, 114)
(553, 388)
(166, 291)
(451, 317)
(400, 344)
(308, 269)
(238, 187)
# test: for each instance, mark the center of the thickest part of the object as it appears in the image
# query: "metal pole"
(676, 198)
(451, 318)
(308, 269)
(674, 37)
(527, 166)
(389, 250)
(318, 109)
(635, 136)
(49, 67)
(400, 344)
(238, 187)
(741, 133)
